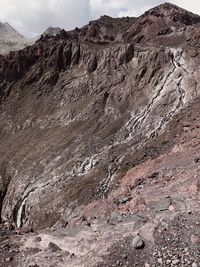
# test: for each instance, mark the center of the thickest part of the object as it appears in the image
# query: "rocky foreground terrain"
(100, 145)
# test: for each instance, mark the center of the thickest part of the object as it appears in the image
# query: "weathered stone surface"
(138, 242)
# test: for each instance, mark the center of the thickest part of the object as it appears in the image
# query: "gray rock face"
(137, 242)
(53, 247)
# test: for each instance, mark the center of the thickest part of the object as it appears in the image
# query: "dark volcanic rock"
(53, 247)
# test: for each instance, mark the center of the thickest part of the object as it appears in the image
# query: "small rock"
(84, 219)
(125, 256)
(174, 262)
(53, 247)
(164, 225)
(153, 175)
(37, 239)
(118, 263)
(195, 187)
(160, 260)
(125, 200)
(23, 231)
(194, 264)
(196, 160)
(163, 204)
(8, 259)
(66, 253)
(88, 223)
(72, 256)
(171, 208)
(138, 242)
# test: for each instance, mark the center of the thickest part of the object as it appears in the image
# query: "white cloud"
(191, 5)
(31, 17)
(34, 16)
(121, 7)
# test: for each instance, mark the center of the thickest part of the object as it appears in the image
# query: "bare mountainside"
(100, 145)
(10, 39)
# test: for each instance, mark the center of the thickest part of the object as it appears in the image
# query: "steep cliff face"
(74, 112)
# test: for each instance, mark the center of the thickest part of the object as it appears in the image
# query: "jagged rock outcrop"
(80, 109)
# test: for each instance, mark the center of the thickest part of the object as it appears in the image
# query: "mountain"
(10, 39)
(100, 148)
(164, 19)
(52, 31)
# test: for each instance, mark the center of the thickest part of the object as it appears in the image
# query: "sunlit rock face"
(79, 109)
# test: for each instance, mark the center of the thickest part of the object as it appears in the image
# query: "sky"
(32, 17)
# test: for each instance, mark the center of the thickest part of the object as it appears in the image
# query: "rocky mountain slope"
(10, 39)
(100, 144)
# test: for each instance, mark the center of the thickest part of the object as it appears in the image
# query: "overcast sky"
(32, 17)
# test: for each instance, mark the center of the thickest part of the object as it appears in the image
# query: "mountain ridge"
(120, 29)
